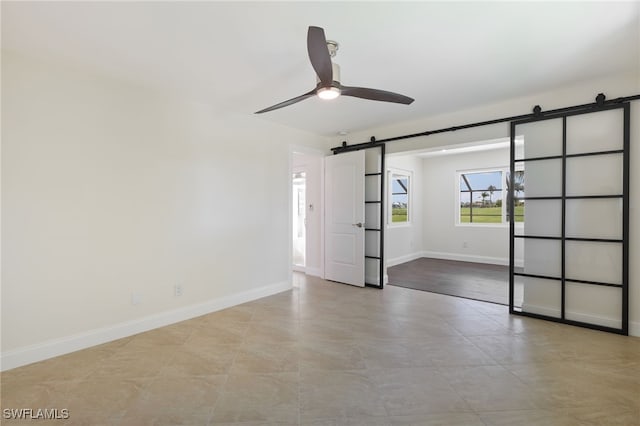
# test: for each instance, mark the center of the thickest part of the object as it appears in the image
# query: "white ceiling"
(241, 57)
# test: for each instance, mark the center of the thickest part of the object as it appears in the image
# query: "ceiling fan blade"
(376, 95)
(289, 102)
(319, 55)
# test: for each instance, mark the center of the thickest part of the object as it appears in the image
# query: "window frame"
(504, 171)
(409, 175)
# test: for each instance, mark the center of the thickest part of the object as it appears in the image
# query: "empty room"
(206, 205)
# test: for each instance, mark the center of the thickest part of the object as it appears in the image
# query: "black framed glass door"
(569, 260)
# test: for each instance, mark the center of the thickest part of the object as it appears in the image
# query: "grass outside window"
(398, 215)
(488, 214)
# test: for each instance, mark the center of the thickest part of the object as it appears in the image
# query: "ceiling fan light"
(328, 93)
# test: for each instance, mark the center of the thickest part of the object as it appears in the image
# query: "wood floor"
(478, 281)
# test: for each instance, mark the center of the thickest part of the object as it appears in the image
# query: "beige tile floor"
(331, 354)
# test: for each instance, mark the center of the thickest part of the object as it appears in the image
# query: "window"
(482, 196)
(400, 187)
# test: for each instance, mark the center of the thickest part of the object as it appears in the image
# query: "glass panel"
(544, 218)
(518, 292)
(519, 194)
(595, 132)
(372, 271)
(594, 175)
(372, 188)
(543, 178)
(594, 218)
(372, 160)
(594, 304)
(542, 257)
(540, 296)
(541, 138)
(371, 244)
(519, 147)
(518, 254)
(592, 261)
(372, 215)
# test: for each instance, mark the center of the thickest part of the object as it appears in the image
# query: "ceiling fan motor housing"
(336, 73)
(333, 47)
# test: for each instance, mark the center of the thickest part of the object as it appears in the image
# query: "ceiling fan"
(321, 51)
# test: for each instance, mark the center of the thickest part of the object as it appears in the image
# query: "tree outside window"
(482, 194)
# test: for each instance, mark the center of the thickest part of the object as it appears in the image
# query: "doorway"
(454, 238)
(299, 183)
(306, 207)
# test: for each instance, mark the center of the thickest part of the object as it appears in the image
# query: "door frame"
(297, 268)
(318, 155)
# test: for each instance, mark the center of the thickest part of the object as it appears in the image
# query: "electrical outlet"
(465, 245)
(177, 290)
(136, 298)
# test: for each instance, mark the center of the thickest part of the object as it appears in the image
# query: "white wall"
(445, 239)
(614, 86)
(433, 231)
(580, 93)
(403, 242)
(110, 190)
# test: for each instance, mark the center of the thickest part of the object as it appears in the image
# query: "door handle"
(359, 224)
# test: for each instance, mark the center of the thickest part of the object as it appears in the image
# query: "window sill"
(518, 225)
(399, 225)
(483, 225)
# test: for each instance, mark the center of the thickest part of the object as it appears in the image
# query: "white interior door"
(344, 218)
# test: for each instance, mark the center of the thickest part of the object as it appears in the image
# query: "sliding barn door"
(569, 213)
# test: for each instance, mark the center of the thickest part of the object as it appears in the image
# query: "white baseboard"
(314, 272)
(55, 347)
(470, 258)
(634, 328)
(403, 259)
(452, 256)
